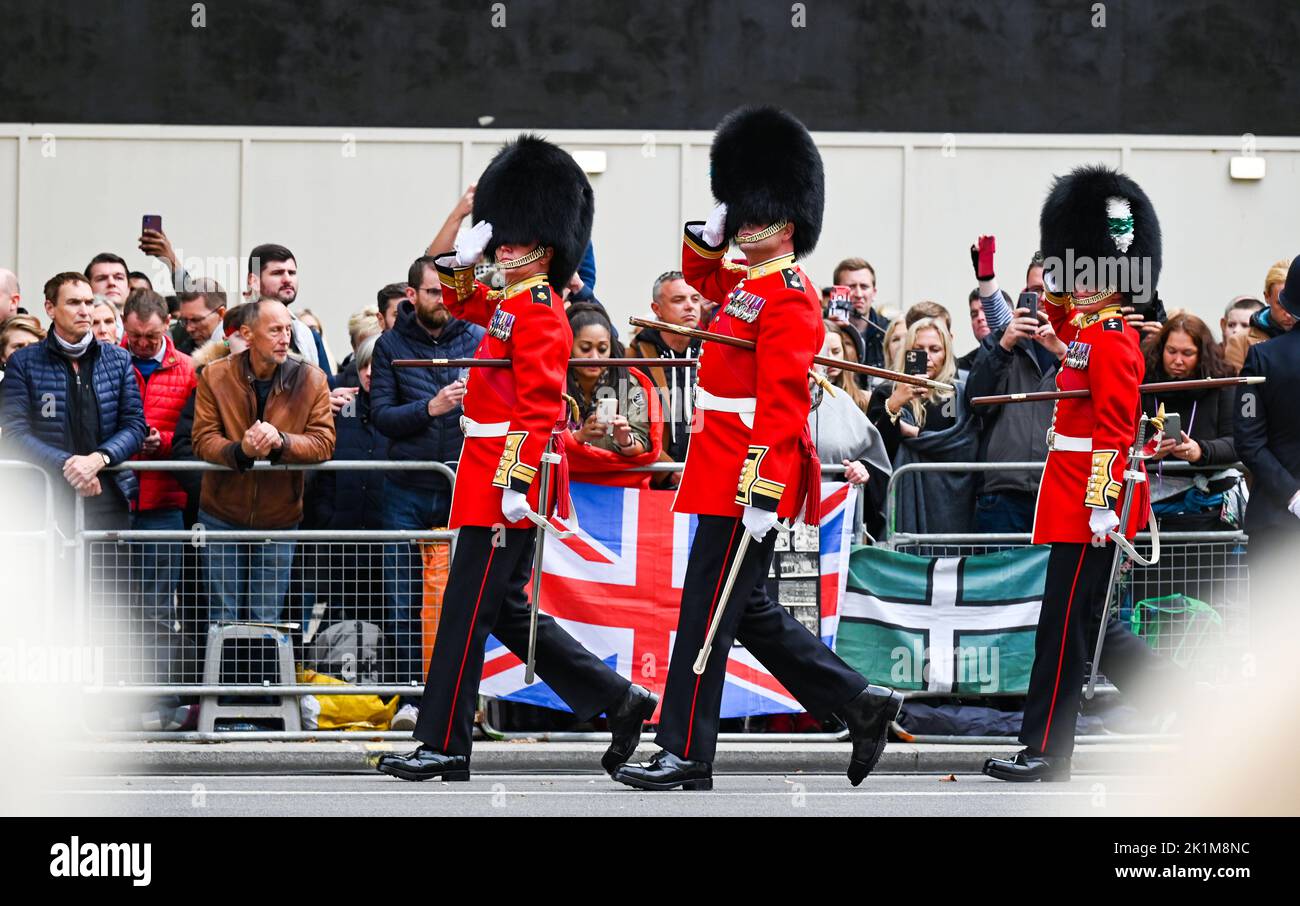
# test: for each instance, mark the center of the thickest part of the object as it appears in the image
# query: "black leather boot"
(625, 720)
(425, 763)
(1028, 766)
(868, 717)
(665, 771)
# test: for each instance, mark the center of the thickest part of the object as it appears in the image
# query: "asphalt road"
(577, 795)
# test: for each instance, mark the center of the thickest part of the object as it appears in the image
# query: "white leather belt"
(471, 428)
(1068, 444)
(741, 405)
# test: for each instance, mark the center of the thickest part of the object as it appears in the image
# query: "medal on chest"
(501, 325)
(1077, 355)
(744, 305)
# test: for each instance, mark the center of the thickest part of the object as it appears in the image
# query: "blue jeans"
(408, 509)
(246, 580)
(1009, 512)
(157, 568)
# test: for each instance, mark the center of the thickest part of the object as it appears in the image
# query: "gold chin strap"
(1095, 297)
(523, 259)
(745, 239)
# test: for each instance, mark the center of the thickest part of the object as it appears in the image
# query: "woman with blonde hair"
(895, 333)
(923, 425)
(17, 331)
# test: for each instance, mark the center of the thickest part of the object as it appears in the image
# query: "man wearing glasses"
(202, 306)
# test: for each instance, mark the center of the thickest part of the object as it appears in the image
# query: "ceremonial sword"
(1039, 396)
(702, 659)
(741, 343)
(1131, 479)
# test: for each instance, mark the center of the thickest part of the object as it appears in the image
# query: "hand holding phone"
(915, 362)
(606, 409)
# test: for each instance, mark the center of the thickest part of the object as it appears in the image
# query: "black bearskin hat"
(1096, 213)
(534, 191)
(765, 169)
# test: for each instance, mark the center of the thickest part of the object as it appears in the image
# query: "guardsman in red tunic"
(533, 211)
(1099, 228)
(751, 461)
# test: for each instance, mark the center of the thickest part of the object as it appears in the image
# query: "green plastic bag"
(1175, 625)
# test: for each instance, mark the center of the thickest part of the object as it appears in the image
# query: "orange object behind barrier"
(437, 565)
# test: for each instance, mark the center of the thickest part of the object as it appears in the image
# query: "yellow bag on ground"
(347, 712)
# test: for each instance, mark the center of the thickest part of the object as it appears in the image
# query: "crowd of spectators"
(119, 370)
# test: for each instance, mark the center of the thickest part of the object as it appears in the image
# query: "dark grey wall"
(1159, 66)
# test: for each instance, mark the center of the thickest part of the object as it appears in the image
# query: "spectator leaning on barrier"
(104, 322)
(1265, 324)
(673, 301)
(71, 404)
(601, 451)
(1022, 356)
(257, 404)
(165, 379)
(860, 278)
(17, 332)
(109, 277)
(202, 306)
(10, 297)
(418, 410)
(273, 274)
(924, 426)
(1267, 432)
(1185, 350)
(1236, 319)
(388, 300)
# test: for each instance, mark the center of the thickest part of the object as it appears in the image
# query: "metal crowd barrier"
(1192, 607)
(344, 570)
(30, 530)
(156, 643)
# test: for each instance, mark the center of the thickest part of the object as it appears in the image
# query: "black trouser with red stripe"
(485, 594)
(1067, 632)
(811, 672)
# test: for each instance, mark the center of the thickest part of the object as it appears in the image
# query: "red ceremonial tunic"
(1104, 359)
(526, 324)
(764, 457)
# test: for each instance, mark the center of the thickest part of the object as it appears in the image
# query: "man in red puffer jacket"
(166, 380)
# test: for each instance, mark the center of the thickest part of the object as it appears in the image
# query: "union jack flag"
(616, 586)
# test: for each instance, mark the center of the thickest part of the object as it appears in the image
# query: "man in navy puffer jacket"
(419, 410)
(72, 406)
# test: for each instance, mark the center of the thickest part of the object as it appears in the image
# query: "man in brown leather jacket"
(257, 404)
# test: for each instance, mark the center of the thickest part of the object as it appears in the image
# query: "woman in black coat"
(1184, 350)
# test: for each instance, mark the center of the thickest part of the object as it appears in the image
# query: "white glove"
(1101, 522)
(514, 506)
(470, 246)
(715, 228)
(1294, 505)
(758, 522)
